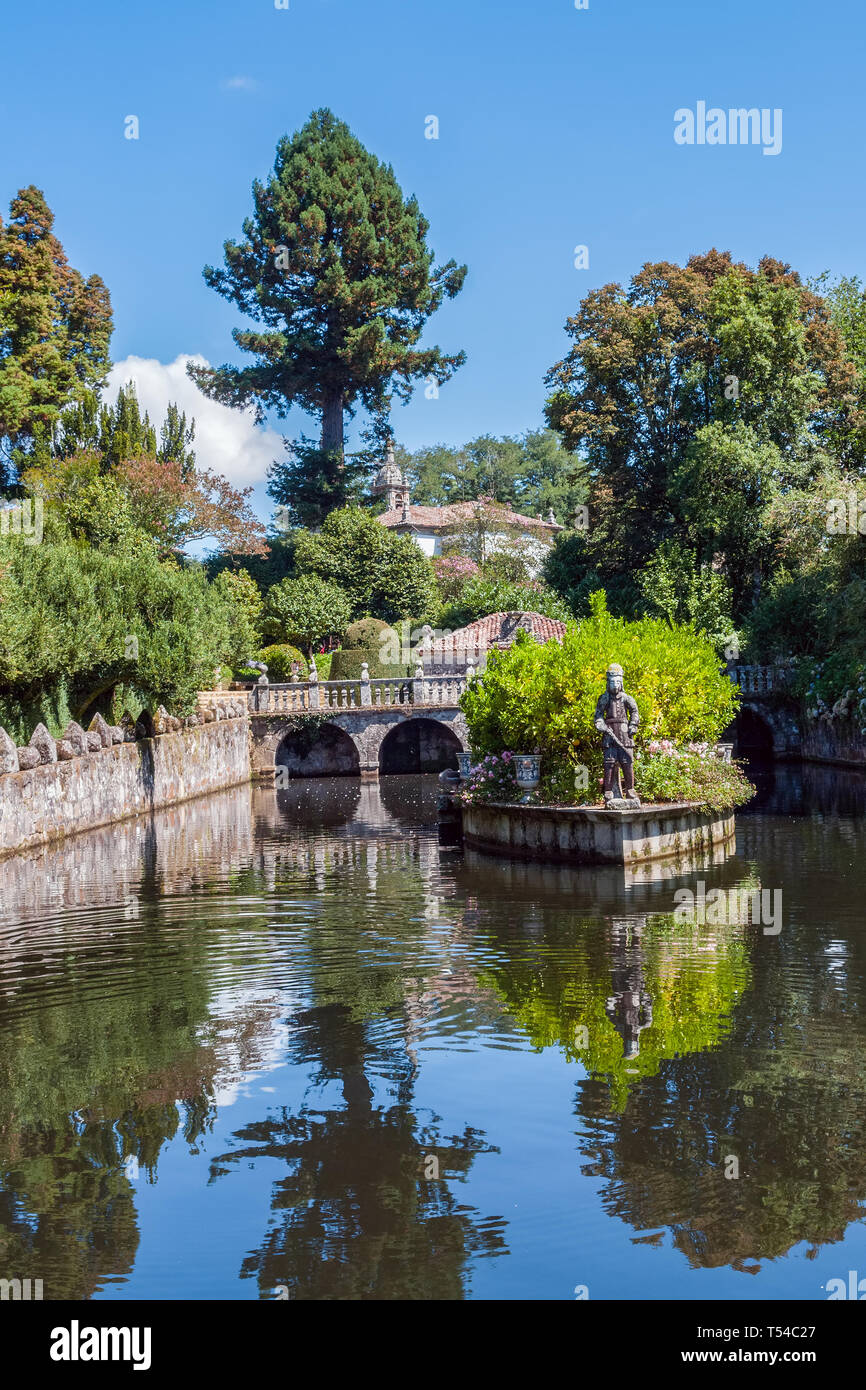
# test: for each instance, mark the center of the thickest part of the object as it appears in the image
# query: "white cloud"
(240, 84)
(226, 440)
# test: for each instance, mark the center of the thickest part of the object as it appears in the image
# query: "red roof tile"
(499, 630)
(440, 518)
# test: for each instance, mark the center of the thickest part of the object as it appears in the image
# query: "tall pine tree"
(55, 328)
(335, 268)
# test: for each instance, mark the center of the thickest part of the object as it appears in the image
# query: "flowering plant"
(664, 772)
(492, 779)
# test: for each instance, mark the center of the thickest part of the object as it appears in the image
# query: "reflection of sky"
(475, 1066)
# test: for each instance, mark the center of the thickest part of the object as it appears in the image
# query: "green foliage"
(56, 328)
(243, 605)
(78, 621)
(379, 572)
(543, 697)
(367, 632)
(279, 659)
(694, 993)
(336, 271)
(482, 595)
(533, 474)
(676, 588)
(695, 394)
(306, 610)
(574, 569)
(681, 774)
(372, 641)
(323, 664)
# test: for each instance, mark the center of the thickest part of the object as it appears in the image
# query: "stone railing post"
(313, 691)
(365, 684)
(418, 685)
(262, 693)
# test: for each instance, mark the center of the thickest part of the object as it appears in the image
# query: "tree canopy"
(335, 269)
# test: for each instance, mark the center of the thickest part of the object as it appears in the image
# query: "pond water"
(287, 1044)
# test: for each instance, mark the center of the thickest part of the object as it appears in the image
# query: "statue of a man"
(616, 716)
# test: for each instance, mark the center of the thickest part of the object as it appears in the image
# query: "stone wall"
(99, 778)
(839, 742)
(586, 835)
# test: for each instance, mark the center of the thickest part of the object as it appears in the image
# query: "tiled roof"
(440, 518)
(499, 629)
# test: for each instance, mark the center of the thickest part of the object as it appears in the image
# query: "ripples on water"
(285, 1040)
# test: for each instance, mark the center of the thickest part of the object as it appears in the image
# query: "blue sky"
(555, 129)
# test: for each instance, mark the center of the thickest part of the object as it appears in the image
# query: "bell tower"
(390, 483)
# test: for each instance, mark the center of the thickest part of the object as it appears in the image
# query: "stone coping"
(592, 834)
(648, 808)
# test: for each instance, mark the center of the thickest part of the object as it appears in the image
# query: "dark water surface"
(285, 1040)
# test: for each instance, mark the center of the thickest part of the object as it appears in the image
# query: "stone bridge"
(357, 728)
(767, 721)
(414, 724)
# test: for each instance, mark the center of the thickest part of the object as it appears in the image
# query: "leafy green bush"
(542, 698)
(377, 570)
(367, 632)
(278, 659)
(482, 595)
(79, 621)
(306, 610)
(691, 774)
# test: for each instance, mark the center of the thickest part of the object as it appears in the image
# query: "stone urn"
(527, 771)
(464, 764)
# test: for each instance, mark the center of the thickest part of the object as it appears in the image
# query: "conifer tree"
(335, 268)
(55, 328)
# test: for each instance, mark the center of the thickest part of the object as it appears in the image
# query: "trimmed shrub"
(278, 659)
(369, 640)
(367, 632)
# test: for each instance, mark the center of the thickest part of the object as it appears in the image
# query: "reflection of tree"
(356, 1217)
(358, 1213)
(99, 1041)
(754, 1054)
(576, 992)
(85, 1084)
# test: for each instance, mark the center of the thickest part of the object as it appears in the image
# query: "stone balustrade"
(377, 692)
(761, 680)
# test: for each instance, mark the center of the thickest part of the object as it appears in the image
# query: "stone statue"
(616, 716)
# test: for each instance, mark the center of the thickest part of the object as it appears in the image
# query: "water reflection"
(348, 1054)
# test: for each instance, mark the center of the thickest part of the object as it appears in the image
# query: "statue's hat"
(614, 670)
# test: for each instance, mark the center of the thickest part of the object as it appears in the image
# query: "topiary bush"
(367, 632)
(542, 698)
(278, 659)
(373, 641)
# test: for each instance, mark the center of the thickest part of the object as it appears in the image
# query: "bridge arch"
(325, 751)
(754, 733)
(419, 744)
